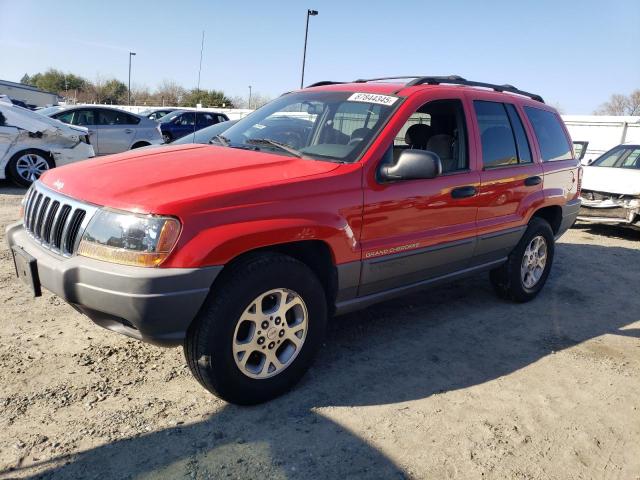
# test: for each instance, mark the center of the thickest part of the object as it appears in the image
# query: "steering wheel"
(355, 141)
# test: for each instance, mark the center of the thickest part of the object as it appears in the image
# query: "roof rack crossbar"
(365, 80)
(323, 83)
(457, 80)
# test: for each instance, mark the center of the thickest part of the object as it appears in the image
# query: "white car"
(611, 187)
(111, 130)
(31, 144)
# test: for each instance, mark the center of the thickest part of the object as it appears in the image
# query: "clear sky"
(574, 53)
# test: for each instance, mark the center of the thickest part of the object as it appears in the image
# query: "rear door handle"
(532, 181)
(128, 130)
(464, 192)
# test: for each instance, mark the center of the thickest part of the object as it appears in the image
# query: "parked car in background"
(205, 135)
(240, 251)
(112, 130)
(31, 144)
(156, 113)
(177, 124)
(611, 187)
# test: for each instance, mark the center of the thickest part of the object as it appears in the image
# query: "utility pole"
(249, 97)
(310, 13)
(131, 54)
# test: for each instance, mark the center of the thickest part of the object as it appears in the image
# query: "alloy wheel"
(533, 262)
(270, 333)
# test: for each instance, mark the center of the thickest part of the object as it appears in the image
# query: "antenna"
(195, 114)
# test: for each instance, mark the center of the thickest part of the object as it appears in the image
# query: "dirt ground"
(449, 383)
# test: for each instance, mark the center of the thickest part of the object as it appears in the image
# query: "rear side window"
(115, 117)
(554, 144)
(524, 152)
(496, 135)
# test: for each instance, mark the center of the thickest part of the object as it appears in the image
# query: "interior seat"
(442, 145)
(417, 136)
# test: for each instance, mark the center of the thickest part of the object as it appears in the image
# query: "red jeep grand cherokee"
(324, 201)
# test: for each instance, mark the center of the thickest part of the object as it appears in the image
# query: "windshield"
(334, 126)
(48, 111)
(620, 157)
(205, 135)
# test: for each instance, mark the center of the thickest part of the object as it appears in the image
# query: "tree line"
(621, 105)
(75, 88)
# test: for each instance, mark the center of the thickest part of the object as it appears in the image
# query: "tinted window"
(206, 119)
(524, 152)
(496, 135)
(439, 127)
(188, 118)
(115, 117)
(84, 117)
(553, 142)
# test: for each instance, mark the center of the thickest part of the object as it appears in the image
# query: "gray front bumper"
(156, 305)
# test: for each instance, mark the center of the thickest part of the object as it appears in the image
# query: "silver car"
(111, 130)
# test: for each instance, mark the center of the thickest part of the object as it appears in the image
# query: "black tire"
(166, 137)
(140, 144)
(12, 166)
(208, 345)
(507, 280)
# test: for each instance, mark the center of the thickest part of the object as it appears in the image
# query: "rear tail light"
(579, 186)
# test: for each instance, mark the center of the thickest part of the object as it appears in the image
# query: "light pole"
(249, 97)
(131, 54)
(310, 13)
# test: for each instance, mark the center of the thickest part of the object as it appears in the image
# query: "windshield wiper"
(282, 146)
(224, 141)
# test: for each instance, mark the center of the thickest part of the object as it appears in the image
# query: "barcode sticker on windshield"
(372, 98)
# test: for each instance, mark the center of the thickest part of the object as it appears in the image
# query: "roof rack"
(323, 83)
(437, 80)
(457, 80)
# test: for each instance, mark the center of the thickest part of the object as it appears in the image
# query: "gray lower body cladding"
(156, 305)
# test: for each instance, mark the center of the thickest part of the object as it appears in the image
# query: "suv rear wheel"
(524, 274)
(259, 331)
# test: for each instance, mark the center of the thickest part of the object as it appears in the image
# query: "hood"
(621, 181)
(152, 180)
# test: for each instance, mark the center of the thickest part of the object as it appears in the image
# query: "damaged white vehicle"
(611, 187)
(31, 144)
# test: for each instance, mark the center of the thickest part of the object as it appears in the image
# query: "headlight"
(129, 239)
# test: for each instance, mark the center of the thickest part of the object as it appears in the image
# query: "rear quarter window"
(554, 144)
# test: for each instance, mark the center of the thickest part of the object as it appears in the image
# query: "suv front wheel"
(524, 274)
(259, 331)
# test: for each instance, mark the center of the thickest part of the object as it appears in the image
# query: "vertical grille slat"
(59, 228)
(55, 221)
(34, 211)
(44, 208)
(72, 232)
(46, 234)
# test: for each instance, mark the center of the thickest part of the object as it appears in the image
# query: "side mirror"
(413, 165)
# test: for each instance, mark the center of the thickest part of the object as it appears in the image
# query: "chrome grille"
(55, 221)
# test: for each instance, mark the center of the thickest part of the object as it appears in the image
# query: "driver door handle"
(464, 192)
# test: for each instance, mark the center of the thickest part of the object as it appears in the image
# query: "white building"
(31, 96)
